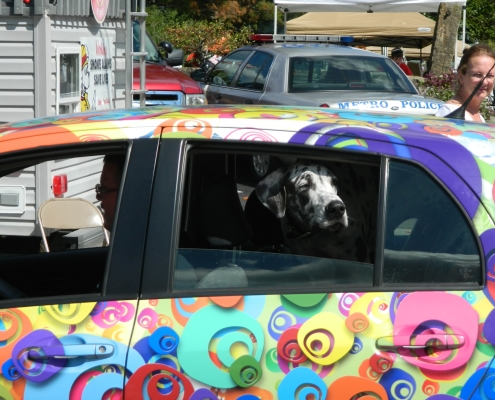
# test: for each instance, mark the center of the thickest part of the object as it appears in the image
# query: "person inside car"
(107, 190)
(398, 58)
(476, 63)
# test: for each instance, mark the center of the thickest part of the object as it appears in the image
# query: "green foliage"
(198, 39)
(480, 19)
(443, 87)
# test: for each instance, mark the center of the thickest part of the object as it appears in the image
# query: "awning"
(360, 5)
(408, 29)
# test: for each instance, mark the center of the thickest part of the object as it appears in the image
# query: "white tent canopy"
(292, 6)
(369, 6)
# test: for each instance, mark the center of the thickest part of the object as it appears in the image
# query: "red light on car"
(59, 185)
(27, 1)
(324, 105)
(261, 37)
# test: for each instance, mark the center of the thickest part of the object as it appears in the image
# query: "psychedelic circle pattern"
(380, 345)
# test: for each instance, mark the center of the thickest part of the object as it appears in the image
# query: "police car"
(307, 70)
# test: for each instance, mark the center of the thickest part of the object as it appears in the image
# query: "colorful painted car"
(200, 294)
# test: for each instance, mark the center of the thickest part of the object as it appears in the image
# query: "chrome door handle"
(72, 351)
(415, 342)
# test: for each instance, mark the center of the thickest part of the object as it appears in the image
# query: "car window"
(253, 75)
(51, 228)
(427, 237)
(232, 236)
(224, 71)
(153, 53)
(347, 73)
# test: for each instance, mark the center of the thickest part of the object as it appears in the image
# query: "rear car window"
(224, 71)
(427, 237)
(347, 73)
(253, 75)
(232, 236)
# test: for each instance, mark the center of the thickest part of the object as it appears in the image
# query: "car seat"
(70, 213)
(223, 226)
(267, 231)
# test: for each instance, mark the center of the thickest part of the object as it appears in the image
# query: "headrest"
(222, 220)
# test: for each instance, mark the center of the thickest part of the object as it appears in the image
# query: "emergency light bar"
(302, 38)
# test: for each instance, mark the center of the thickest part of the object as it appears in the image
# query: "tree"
(198, 39)
(238, 13)
(480, 20)
(444, 38)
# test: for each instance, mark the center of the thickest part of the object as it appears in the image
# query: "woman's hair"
(474, 51)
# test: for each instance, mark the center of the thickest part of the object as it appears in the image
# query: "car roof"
(293, 49)
(207, 121)
(467, 147)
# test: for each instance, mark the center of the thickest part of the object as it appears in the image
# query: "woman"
(476, 62)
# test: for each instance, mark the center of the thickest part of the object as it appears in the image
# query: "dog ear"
(271, 192)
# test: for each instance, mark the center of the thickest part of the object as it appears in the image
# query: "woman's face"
(477, 68)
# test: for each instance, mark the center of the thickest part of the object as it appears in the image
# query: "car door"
(68, 309)
(237, 313)
(219, 80)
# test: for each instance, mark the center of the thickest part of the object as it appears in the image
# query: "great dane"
(317, 218)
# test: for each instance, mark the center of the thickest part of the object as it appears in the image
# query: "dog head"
(307, 193)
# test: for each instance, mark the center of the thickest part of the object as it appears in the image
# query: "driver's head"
(108, 189)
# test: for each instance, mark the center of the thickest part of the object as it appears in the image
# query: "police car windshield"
(309, 74)
(153, 53)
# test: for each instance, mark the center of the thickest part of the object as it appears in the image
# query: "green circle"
(245, 371)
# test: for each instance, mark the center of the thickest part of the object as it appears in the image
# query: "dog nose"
(335, 209)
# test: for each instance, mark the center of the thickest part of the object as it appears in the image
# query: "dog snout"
(335, 209)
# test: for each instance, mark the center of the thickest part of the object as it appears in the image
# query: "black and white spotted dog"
(317, 218)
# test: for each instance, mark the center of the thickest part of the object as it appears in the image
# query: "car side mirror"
(198, 75)
(175, 57)
(167, 46)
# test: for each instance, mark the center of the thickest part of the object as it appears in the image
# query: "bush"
(443, 87)
(199, 39)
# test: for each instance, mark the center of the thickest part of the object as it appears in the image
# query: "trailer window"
(68, 80)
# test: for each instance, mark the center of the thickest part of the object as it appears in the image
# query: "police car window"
(224, 71)
(253, 75)
(346, 73)
(427, 237)
(232, 236)
(56, 198)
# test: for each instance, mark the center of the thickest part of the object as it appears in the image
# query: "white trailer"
(42, 66)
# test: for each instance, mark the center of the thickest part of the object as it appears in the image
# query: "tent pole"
(463, 26)
(275, 20)
(128, 55)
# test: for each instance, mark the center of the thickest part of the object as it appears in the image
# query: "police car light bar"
(302, 38)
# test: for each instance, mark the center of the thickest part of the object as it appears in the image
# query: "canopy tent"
(368, 6)
(377, 29)
(291, 6)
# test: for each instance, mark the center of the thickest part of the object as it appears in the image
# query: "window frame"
(119, 281)
(174, 166)
(73, 101)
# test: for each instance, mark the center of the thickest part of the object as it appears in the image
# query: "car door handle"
(218, 96)
(72, 351)
(415, 342)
